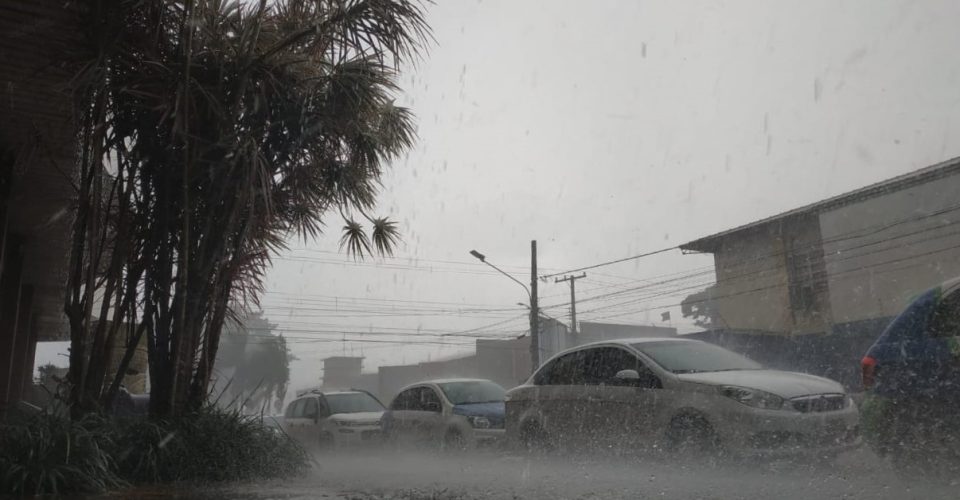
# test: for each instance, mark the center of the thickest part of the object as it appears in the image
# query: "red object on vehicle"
(868, 367)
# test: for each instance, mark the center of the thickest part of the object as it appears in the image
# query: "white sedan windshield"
(693, 357)
(352, 403)
(472, 392)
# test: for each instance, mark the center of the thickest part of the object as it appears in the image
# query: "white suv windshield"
(354, 402)
(693, 357)
(472, 392)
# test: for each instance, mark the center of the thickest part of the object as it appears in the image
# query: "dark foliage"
(49, 453)
(208, 445)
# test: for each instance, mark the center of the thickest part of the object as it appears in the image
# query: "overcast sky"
(607, 129)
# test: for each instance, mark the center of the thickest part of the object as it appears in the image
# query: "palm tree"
(211, 131)
(257, 361)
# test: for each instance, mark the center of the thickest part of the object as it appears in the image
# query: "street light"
(483, 258)
(531, 295)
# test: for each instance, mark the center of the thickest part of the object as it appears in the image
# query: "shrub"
(209, 445)
(48, 453)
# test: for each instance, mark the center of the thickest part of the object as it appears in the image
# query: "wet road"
(421, 475)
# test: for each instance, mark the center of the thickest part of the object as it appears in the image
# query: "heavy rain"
(402, 249)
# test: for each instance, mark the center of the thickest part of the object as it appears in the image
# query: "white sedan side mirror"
(627, 375)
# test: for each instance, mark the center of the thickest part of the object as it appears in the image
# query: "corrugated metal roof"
(921, 176)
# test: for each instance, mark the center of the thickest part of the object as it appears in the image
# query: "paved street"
(491, 475)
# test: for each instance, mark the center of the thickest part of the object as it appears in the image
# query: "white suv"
(677, 393)
(334, 418)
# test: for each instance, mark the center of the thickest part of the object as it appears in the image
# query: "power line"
(594, 266)
(305, 296)
(648, 290)
(841, 237)
(415, 260)
(742, 276)
(777, 285)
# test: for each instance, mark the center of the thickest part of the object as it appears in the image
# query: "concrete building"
(591, 331)
(37, 162)
(394, 378)
(506, 362)
(845, 266)
(341, 372)
(554, 337)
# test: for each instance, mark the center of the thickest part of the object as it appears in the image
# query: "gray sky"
(606, 129)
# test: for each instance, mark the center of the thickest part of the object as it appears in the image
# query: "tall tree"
(210, 132)
(253, 364)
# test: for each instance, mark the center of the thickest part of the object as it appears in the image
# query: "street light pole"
(531, 295)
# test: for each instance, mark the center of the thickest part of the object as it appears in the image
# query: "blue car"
(452, 413)
(911, 375)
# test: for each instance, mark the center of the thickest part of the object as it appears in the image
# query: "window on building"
(802, 282)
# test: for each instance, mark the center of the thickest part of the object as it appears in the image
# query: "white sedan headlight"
(752, 397)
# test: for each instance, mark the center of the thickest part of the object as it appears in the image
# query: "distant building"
(554, 337)
(506, 362)
(394, 378)
(593, 332)
(341, 372)
(135, 379)
(845, 265)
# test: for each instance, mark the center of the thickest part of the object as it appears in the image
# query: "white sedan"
(678, 394)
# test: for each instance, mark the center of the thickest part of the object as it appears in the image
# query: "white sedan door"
(623, 410)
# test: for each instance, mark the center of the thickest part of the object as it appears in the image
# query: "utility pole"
(573, 298)
(534, 310)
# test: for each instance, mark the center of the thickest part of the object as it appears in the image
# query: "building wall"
(506, 362)
(369, 382)
(394, 378)
(807, 290)
(340, 372)
(881, 252)
(554, 337)
(135, 379)
(593, 332)
(751, 292)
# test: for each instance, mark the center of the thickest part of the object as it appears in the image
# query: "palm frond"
(355, 240)
(385, 235)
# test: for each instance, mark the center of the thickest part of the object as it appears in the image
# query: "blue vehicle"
(452, 413)
(911, 411)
